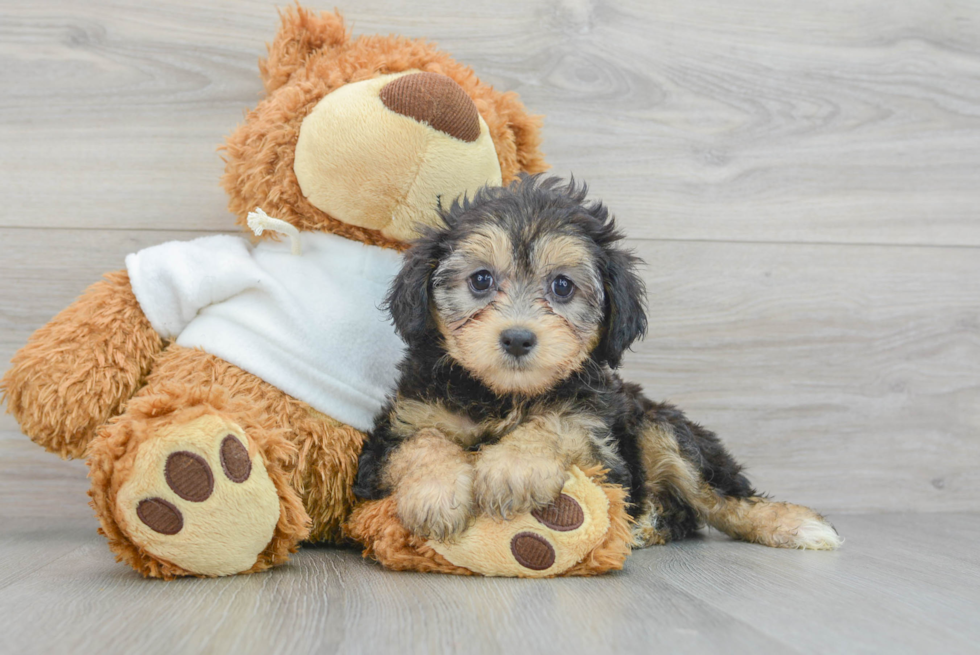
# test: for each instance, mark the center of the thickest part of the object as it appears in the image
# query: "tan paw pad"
(199, 497)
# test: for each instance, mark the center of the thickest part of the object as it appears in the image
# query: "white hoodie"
(306, 323)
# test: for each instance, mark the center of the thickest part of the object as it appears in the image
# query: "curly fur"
(98, 379)
(313, 55)
(76, 372)
(311, 458)
(375, 524)
(678, 474)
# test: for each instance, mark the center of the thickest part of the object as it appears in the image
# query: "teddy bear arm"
(76, 372)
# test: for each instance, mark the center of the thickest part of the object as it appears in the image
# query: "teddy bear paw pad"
(532, 551)
(541, 543)
(562, 515)
(199, 496)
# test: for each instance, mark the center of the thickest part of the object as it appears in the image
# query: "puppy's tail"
(770, 523)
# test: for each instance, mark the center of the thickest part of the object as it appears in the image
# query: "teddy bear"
(221, 388)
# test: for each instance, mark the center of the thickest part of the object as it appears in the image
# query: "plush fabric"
(487, 547)
(308, 324)
(353, 124)
(224, 533)
(153, 369)
(170, 411)
(312, 56)
(76, 372)
(600, 545)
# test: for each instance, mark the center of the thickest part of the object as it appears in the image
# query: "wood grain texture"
(824, 121)
(902, 583)
(802, 179)
(843, 376)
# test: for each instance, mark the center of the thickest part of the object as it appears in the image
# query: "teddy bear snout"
(382, 153)
(437, 101)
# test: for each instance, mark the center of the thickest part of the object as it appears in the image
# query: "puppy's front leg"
(431, 481)
(523, 471)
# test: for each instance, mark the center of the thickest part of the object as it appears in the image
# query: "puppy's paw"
(436, 508)
(777, 524)
(509, 482)
(805, 529)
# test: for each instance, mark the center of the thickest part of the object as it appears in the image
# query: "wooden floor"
(902, 583)
(802, 178)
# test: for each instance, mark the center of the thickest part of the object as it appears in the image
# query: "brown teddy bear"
(220, 388)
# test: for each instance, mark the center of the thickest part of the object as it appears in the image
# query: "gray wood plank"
(330, 601)
(708, 594)
(29, 544)
(760, 121)
(327, 600)
(34, 483)
(901, 583)
(879, 593)
(844, 377)
(44, 512)
(920, 532)
(46, 269)
(785, 169)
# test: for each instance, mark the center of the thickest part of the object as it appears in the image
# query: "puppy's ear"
(626, 319)
(409, 295)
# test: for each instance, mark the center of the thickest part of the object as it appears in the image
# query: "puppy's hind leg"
(683, 460)
(771, 523)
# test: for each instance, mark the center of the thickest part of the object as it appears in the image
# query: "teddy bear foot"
(199, 497)
(586, 531)
(541, 543)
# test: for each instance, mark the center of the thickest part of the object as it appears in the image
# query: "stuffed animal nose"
(435, 100)
(518, 341)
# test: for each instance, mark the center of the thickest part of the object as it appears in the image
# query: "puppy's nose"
(518, 341)
(435, 100)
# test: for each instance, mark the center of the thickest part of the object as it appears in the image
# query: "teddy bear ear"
(516, 133)
(302, 33)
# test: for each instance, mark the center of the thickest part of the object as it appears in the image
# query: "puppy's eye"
(481, 281)
(562, 287)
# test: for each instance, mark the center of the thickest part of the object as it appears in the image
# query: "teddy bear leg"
(586, 531)
(194, 478)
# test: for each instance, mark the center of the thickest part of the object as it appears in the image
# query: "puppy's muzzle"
(518, 342)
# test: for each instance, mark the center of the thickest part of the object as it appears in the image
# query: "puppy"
(516, 316)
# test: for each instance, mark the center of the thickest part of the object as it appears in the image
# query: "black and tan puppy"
(515, 316)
